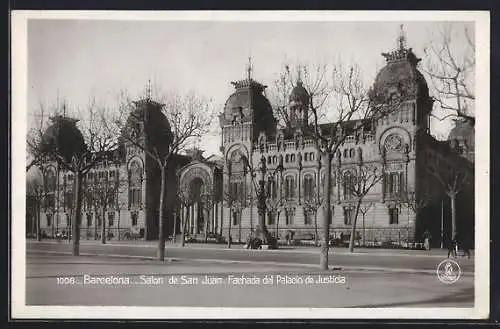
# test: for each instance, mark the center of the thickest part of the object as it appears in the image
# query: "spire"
(148, 90)
(401, 38)
(401, 53)
(64, 108)
(249, 68)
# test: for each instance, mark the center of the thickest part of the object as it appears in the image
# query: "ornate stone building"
(394, 210)
(219, 194)
(122, 190)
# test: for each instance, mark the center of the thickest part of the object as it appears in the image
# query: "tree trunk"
(363, 214)
(239, 226)
(96, 222)
(327, 212)
(353, 229)
(230, 221)
(103, 226)
(277, 226)
(184, 221)
(161, 235)
(206, 219)
(453, 197)
(316, 227)
(175, 225)
(221, 228)
(78, 214)
(38, 230)
(118, 225)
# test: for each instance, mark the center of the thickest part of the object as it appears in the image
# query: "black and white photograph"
(250, 164)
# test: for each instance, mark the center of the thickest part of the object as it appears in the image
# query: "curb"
(304, 251)
(223, 261)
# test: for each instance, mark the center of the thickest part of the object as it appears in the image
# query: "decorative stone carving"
(393, 143)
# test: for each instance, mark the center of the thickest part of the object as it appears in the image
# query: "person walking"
(427, 240)
(450, 245)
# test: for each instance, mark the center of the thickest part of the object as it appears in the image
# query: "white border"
(482, 182)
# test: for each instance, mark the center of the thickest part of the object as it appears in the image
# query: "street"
(380, 259)
(236, 278)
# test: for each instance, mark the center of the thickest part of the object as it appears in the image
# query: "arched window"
(345, 153)
(135, 185)
(308, 187)
(292, 158)
(351, 153)
(311, 156)
(272, 190)
(349, 182)
(289, 187)
(287, 158)
(50, 189)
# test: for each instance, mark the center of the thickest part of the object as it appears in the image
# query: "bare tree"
(357, 183)
(450, 64)
(102, 190)
(76, 149)
(342, 89)
(454, 173)
(365, 206)
(35, 192)
(38, 124)
(180, 120)
(346, 87)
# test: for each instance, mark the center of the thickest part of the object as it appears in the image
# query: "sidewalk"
(438, 253)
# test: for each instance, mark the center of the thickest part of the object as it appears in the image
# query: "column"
(221, 217)
(181, 218)
(196, 216)
(210, 219)
(191, 219)
(216, 218)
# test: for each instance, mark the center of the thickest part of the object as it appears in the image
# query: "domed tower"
(147, 130)
(64, 138)
(401, 95)
(247, 113)
(298, 106)
(402, 106)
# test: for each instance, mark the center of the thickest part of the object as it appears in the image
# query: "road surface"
(55, 279)
(309, 257)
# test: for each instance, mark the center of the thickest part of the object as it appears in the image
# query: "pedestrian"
(427, 240)
(450, 245)
(229, 241)
(457, 243)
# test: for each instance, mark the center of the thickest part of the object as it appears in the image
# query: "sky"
(73, 60)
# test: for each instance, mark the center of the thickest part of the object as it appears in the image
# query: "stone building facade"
(122, 190)
(218, 194)
(397, 143)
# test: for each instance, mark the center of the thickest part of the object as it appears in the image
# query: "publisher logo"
(448, 271)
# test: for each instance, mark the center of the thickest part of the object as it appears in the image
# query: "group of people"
(453, 245)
